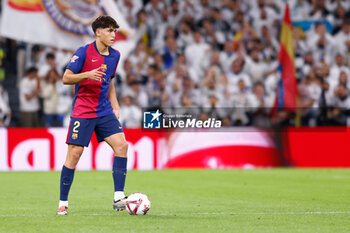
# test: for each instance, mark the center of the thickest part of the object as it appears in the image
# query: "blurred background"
(276, 76)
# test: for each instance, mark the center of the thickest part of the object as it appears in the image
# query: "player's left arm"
(113, 98)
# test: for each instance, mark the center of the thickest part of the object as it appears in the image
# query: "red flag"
(288, 86)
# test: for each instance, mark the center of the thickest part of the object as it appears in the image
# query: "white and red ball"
(138, 204)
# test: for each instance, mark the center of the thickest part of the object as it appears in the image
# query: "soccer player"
(95, 108)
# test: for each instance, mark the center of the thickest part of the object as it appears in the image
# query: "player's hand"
(95, 74)
(116, 113)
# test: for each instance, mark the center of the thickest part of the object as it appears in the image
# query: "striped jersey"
(91, 96)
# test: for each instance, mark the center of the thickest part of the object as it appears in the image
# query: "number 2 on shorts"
(76, 126)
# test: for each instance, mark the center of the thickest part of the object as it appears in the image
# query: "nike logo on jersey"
(94, 60)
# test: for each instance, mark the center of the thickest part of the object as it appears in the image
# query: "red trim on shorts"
(70, 124)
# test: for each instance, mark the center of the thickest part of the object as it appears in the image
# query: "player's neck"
(102, 48)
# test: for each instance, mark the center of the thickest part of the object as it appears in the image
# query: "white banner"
(59, 23)
(45, 149)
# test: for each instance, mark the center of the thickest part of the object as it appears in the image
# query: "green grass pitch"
(270, 200)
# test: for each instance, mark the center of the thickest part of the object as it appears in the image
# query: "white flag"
(59, 23)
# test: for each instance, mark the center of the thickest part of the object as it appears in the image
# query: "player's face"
(106, 35)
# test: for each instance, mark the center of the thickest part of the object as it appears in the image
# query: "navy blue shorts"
(81, 129)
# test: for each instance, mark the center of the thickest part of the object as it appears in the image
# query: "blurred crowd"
(213, 58)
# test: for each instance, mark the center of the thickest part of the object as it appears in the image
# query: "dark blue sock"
(67, 176)
(119, 173)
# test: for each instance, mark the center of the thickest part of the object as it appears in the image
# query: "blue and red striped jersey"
(91, 97)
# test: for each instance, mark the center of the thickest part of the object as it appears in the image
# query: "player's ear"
(98, 31)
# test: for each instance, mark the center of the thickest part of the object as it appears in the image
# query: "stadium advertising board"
(45, 149)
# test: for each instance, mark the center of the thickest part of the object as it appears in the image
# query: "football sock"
(118, 195)
(62, 203)
(67, 176)
(119, 174)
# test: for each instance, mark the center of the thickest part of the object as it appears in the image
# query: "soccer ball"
(138, 204)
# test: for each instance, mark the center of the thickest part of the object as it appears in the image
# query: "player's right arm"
(73, 73)
(69, 77)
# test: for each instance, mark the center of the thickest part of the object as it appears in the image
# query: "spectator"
(29, 98)
(307, 65)
(237, 74)
(343, 35)
(213, 85)
(175, 13)
(170, 53)
(195, 53)
(214, 108)
(139, 58)
(129, 9)
(202, 10)
(143, 28)
(165, 94)
(340, 114)
(239, 101)
(309, 94)
(49, 64)
(337, 68)
(158, 91)
(161, 30)
(188, 90)
(185, 37)
(50, 96)
(176, 76)
(5, 111)
(300, 10)
(227, 56)
(139, 94)
(319, 11)
(257, 69)
(64, 106)
(260, 106)
(213, 60)
(322, 44)
(130, 114)
(153, 10)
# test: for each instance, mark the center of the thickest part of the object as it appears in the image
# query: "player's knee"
(75, 153)
(122, 148)
(75, 156)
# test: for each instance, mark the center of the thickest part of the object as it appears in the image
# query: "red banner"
(317, 147)
(45, 149)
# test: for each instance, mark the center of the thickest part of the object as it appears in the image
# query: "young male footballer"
(95, 108)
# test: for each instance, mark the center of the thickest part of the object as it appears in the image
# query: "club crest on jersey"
(74, 136)
(75, 57)
(74, 16)
(103, 67)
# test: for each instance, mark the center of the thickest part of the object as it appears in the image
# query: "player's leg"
(119, 169)
(79, 135)
(108, 129)
(67, 175)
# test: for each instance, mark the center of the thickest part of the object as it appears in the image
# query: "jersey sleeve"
(77, 61)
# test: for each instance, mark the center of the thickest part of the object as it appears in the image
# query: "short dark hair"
(31, 70)
(259, 83)
(104, 21)
(50, 55)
